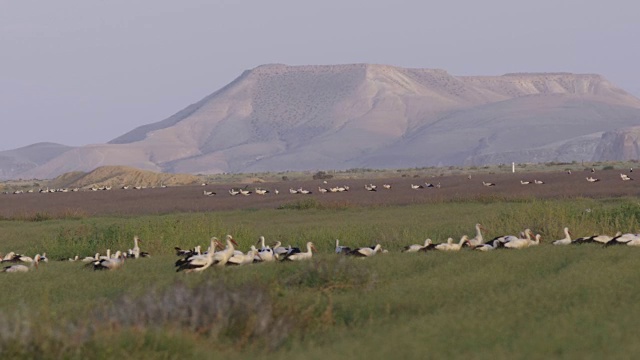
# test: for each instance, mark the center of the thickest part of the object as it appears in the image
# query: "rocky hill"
(119, 176)
(278, 117)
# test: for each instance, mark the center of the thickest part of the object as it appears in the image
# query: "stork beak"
(313, 248)
(234, 242)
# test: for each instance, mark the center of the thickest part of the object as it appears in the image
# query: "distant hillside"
(17, 161)
(118, 176)
(278, 117)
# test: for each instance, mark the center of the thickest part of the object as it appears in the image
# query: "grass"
(568, 302)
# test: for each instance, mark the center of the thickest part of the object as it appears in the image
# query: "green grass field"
(540, 302)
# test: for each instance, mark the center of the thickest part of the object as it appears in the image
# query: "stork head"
(230, 239)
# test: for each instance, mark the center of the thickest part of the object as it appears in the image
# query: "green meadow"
(541, 302)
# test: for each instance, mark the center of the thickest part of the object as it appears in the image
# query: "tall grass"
(546, 301)
(393, 227)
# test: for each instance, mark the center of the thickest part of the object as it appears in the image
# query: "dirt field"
(192, 199)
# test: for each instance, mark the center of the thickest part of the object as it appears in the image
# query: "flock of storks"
(221, 254)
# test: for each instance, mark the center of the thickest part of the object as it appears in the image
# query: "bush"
(242, 315)
(304, 204)
(321, 175)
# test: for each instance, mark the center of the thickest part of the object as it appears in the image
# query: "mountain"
(17, 161)
(278, 117)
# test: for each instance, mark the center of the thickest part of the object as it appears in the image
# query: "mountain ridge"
(277, 117)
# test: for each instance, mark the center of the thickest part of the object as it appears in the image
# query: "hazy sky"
(86, 71)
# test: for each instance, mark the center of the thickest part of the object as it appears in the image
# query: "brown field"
(191, 199)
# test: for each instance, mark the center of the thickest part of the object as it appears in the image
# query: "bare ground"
(192, 199)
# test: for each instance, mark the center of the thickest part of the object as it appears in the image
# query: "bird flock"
(109, 261)
(220, 254)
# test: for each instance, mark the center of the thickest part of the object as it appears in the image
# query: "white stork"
(366, 251)
(342, 249)
(243, 259)
(198, 263)
(416, 247)
(488, 247)
(478, 239)
(301, 255)
(109, 264)
(22, 268)
(221, 257)
(566, 240)
(451, 246)
(520, 243)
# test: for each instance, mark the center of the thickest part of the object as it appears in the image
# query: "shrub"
(242, 315)
(321, 175)
(303, 204)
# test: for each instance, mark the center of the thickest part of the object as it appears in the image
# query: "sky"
(80, 72)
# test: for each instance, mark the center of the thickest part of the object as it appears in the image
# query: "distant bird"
(478, 239)
(233, 192)
(593, 170)
(602, 239)
(208, 193)
(109, 264)
(188, 253)
(592, 179)
(525, 182)
(416, 187)
(386, 186)
(451, 246)
(568, 172)
(538, 182)
(416, 247)
(488, 247)
(566, 240)
(342, 249)
(301, 255)
(243, 259)
(221, 257)
(280, 251)
(198, 263)
(488, 184)
(22, 268)
(366, 251)
(625, 177)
